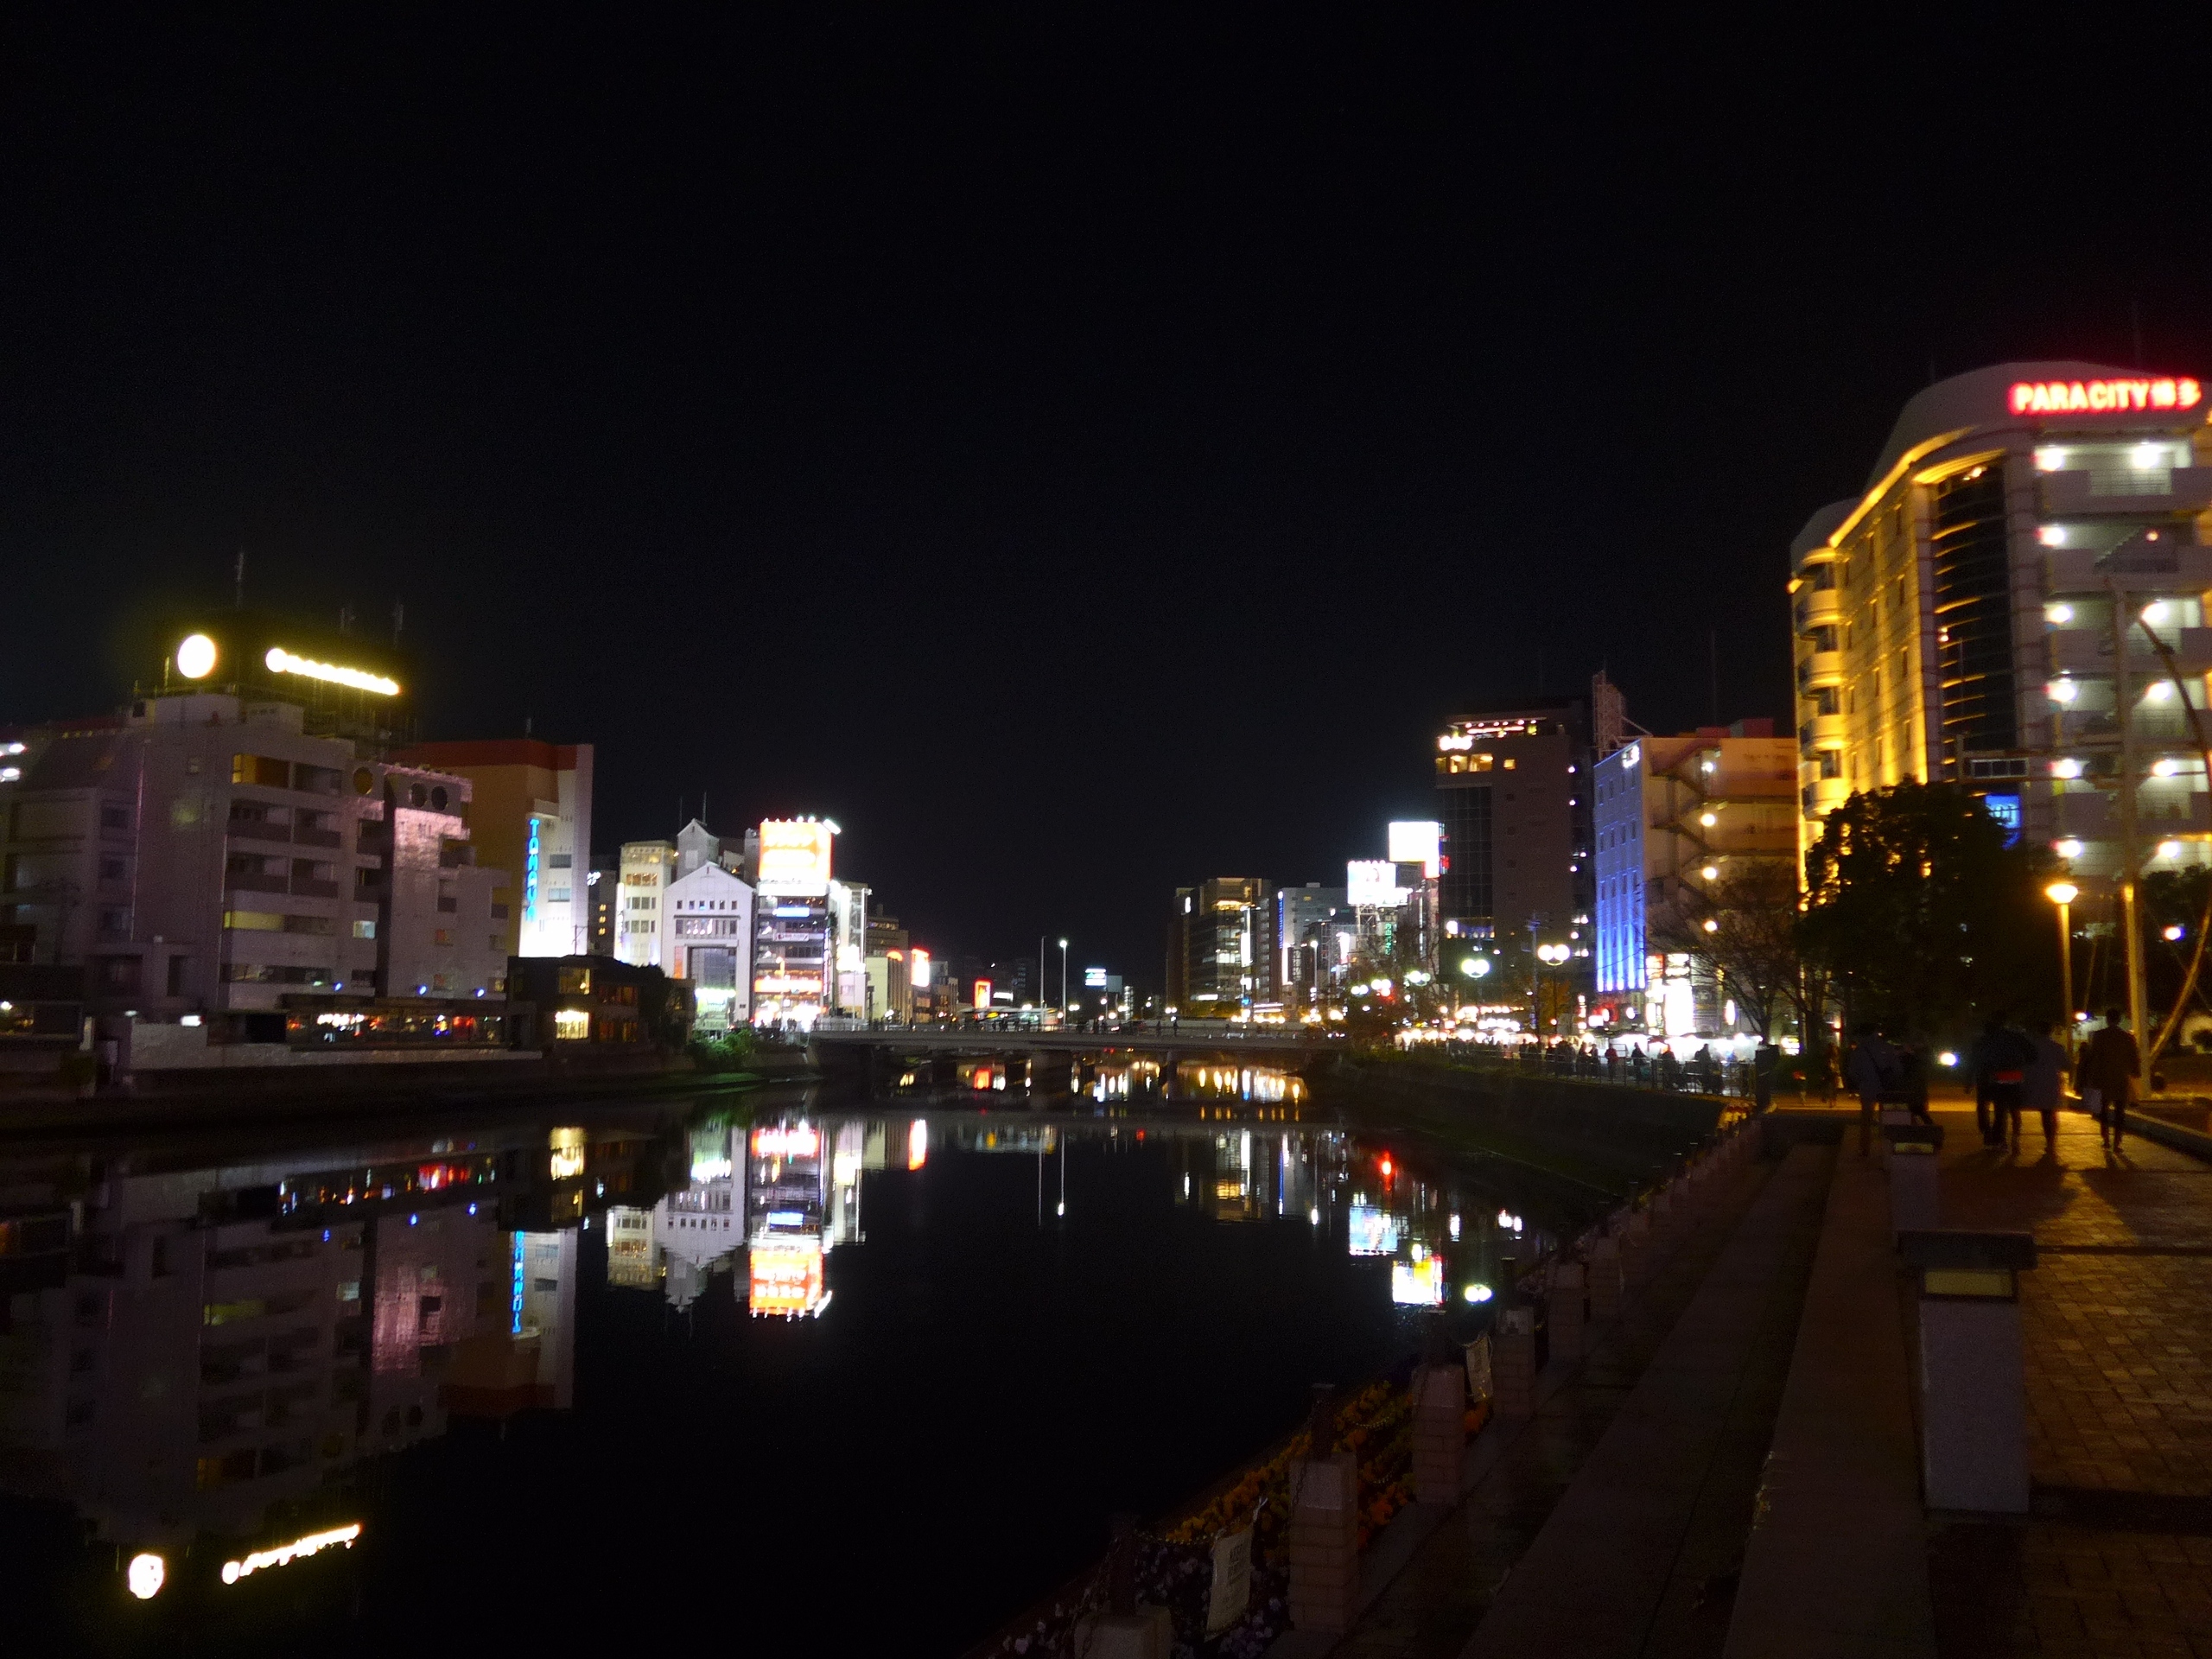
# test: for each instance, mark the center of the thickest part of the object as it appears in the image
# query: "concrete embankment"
(1601, 1137)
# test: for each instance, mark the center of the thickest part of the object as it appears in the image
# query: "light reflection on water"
(204, 1345)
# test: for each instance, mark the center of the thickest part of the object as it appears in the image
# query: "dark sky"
(1081, 451)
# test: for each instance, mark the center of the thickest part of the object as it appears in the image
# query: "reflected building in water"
(212, 1343)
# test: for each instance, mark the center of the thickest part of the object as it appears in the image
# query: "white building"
(709, 913)
(640, 936)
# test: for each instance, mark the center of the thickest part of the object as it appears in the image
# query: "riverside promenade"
(1732, 1468)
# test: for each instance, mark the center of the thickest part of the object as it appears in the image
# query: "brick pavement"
(2116, 1558)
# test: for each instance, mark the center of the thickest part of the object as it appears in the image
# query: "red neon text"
(2103, 396)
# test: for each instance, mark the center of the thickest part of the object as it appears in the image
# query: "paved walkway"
(2117, 1556)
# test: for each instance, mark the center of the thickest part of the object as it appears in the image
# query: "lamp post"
(1063, 979)
(2063, 893)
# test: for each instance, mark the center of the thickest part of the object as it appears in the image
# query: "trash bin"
(1973, 1453)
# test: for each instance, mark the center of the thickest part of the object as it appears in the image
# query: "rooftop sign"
(2103, 397)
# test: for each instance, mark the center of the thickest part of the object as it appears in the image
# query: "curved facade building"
(1973, 615)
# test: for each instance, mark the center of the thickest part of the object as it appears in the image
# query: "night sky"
(1082, 452)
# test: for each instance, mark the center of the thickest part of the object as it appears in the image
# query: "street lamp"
(1064, 978)
(2063, 893)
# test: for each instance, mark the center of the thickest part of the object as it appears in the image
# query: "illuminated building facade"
(809, 930)
(710, 918)
(1513, 795)
(206, 858)
(1972, 615)
(530, 815)
(890, 970)
(641, 936)
(1675, 817)
(1314, 935)
(1221, 949)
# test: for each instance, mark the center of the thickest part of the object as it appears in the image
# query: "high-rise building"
(1977, 612)
(1513, 795)
(1221, 949)
(1678, 817)
(810, 931)
(1313, 939)
(531, 815)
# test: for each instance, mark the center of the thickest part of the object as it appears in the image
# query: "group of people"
(2013, 1069)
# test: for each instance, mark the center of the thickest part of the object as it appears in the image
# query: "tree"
(1743, 926)
(1924, 918)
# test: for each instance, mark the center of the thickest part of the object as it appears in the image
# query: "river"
(816, 1374)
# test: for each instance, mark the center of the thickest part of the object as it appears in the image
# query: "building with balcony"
(207, 857)
(1676, 819)
(529, 815)
(1982, 612)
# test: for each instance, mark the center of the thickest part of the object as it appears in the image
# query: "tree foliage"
(1744, 927)
(1924, 918)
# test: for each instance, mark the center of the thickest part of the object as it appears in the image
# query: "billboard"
(1094, 979)
(917, 968)
(1418, 1284)
(795, 855)
(1374, 1232)
(983, 995)
(1372, 881)
(1419, 842)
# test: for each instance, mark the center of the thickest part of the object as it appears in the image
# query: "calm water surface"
(832, 1375)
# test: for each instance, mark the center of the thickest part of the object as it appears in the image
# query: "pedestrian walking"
(2040, 1085)
(1870, 1069)
(2105, 1076)
(1999, 1064)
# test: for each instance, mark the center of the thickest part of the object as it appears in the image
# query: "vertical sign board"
(1232, 1580)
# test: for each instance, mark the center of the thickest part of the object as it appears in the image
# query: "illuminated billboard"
(785, 1279)
(795, 856)
(2126, 396)
(983, 995)
(1094, 979)
(786, 1141)
(917, 968)
(1372, 881)
(1421, 843)
(1418, 1284)
(1374, 1232)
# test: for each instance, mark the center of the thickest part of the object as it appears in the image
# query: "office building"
(1677, 821)
(1314, 935)
(530, 814)
(1221, 949)
(1513, 797)
(890, 970)
(640, 932)
(1977, 613)
(809, 930)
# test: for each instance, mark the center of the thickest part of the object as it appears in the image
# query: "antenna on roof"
(346, 617)
(398, 619)
(702, 809)
(2135, 327)
(237, 582)
(525, 725)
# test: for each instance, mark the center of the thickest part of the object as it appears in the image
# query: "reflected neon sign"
(2103, 397)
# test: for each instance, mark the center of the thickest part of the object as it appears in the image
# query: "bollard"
(1127, 1631)
(1974, 1395)
(1604, 1276)
(1513, 1362)
(1914, 1206)
(1568, 1309)
(1324, 1530)
(1440, 1390)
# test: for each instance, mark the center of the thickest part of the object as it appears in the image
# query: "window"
(571, 1026)
(1825, 700)
(1900, 595)
(575, 981)
(260, 771)
(1831, 763)
(115, 817)
(1824, 637)
(110, 869)
(365, 929)
(443, 936)
(253, 921)
(559, 860)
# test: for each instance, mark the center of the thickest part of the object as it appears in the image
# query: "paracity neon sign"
(2103, 397)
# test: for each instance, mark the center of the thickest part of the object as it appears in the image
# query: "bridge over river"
(1053, 1059)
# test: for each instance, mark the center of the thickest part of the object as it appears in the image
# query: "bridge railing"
(1701, 1074)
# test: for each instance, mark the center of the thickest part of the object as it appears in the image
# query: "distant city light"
(281, 661)
(2060, 614)
(2063, 690)
(147, 1572)
(1477, 1293)
(283, 1555)
(2068, 848)
(2174, 932)
(1946, 1058)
